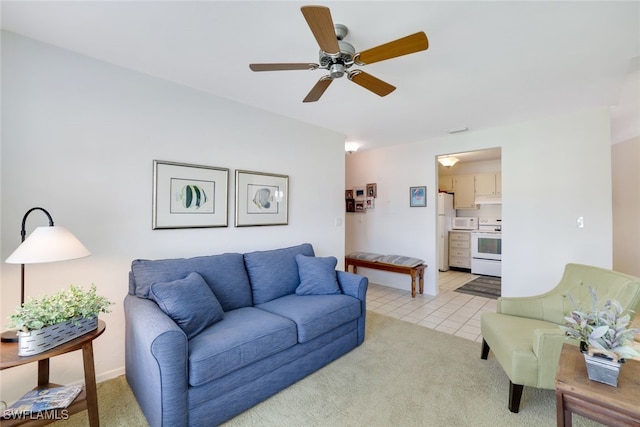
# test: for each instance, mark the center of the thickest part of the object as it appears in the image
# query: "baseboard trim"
(114, 373)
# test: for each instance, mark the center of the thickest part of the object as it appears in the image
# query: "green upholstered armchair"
(524, 335)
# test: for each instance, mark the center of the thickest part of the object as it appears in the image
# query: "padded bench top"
(387, 259)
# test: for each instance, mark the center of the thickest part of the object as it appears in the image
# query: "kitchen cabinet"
(460, 249)
(464, 192)
(445, 183)
(488, 184)
(485, 184)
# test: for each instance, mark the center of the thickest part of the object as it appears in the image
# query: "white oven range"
(486, 247)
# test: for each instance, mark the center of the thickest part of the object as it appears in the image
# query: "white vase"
(41, 340)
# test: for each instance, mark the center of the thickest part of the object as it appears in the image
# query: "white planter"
(41, 340)
(602, 370)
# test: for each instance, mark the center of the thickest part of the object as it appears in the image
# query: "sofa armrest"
(356, 286)
(547, 345)
(156, 357)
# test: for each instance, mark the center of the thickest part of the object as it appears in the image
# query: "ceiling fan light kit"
(337, 56)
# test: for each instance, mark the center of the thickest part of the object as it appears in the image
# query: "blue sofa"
(209, 337)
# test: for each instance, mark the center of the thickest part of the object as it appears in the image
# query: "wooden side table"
(576, 393)
(87, 399)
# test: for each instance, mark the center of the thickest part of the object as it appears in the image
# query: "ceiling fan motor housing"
(338, 64)
(337, 70)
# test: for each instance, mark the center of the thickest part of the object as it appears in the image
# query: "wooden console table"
(87, 399)
(576, 393)
(416, 273)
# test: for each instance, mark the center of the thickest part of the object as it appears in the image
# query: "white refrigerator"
(445, 213)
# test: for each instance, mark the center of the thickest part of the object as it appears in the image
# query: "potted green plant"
(604, 335)
(53, 320)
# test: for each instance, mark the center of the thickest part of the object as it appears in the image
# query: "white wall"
(553, 171)
(626, 206)
(79, 137)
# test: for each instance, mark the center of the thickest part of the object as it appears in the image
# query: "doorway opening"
(470, 189)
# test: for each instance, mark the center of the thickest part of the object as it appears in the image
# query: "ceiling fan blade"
(321, 25)
(319, 88)
(283, 66)
(404, 46)
(371, 83)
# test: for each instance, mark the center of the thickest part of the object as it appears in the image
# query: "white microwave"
(464, 223)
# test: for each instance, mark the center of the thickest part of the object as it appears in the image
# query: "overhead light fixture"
(448, 161)
(45, 244)
(351, 147)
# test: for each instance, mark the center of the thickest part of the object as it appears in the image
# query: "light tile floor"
(451, 312)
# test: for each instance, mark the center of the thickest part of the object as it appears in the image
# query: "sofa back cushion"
(225, 274)
(274, 273)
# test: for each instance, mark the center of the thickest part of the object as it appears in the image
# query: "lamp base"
(10, 336)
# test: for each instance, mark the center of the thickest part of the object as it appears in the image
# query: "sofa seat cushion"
(315, 314)
(274, 273)
(511, 341)
(244, 336)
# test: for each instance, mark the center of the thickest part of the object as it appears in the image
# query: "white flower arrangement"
(60, 307)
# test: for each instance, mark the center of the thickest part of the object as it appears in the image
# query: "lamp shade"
(448, 161)
(48, 244)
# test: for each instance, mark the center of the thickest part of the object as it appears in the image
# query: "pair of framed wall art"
(196, 196)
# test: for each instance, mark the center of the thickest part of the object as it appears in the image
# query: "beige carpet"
(403, 375)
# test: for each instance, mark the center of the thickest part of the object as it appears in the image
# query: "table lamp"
(45, 244)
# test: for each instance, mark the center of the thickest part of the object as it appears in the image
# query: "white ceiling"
(489, 63)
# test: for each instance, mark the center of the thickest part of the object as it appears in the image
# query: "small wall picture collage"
(359, 199)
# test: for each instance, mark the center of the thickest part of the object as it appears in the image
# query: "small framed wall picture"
(359, 193)
(348, 194)
(370, 203)
(350, 205)
(417, 196)
(359, 206)
(261, 199)
(372, 190)
(189, 196)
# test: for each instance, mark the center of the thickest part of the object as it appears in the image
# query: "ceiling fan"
(338, 56)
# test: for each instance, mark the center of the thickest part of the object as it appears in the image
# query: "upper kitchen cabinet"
(445, 183)
(488, 184)
(464, 189)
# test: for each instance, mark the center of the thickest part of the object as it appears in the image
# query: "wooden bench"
(416, 273)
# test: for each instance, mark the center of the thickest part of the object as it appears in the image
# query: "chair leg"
(485, 350)
(515, 393)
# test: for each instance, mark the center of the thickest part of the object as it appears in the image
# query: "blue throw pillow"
(317, 275)
(190, 302)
